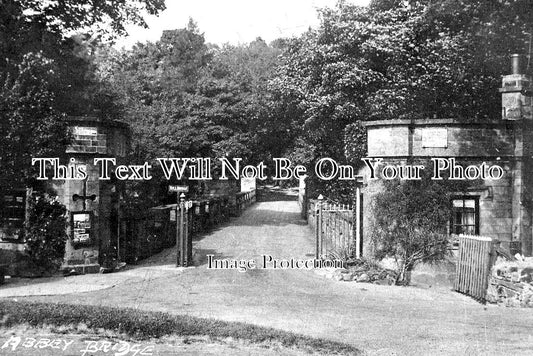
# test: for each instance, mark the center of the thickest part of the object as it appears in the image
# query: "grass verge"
(145, 324)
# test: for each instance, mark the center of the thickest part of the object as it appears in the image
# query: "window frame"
(11, 224)
(463, 197)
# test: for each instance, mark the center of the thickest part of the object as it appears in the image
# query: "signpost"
(178, 189)
(180, 244)
(182, 237)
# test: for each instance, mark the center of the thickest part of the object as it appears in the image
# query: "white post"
(319, 214)
(357, 223)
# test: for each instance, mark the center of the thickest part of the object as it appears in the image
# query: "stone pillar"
(92, 138)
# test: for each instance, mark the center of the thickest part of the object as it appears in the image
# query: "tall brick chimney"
(516, 93)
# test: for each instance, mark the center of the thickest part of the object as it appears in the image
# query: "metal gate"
(337, 228)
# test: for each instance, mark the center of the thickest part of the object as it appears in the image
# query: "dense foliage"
(47, 73)
(29, 125)
(185, 98)
(46, 232)
(304, 98)
(410, 220)
(396, 59)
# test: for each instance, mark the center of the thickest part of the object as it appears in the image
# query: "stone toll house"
(498, 208)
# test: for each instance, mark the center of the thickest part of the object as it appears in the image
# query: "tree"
(156, 83)
(187, 98)
(47, 26)
(46, 73)
(72, 15)
(325, 81)
(233, 96)
(393, 60)
(29, 124)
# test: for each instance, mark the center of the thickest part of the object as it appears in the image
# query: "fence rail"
(144, 235)
(476, 257)
(244, 200)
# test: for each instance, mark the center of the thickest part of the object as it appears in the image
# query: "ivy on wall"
(46, 233)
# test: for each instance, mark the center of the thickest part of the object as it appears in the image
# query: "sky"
(234, 21)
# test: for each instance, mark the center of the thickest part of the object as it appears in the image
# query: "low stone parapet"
(511, 283)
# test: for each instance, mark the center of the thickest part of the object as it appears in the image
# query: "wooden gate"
(476, 257)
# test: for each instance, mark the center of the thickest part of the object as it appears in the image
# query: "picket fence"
(477, 255)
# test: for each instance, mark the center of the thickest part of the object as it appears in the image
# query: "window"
(12, 214)
(465, 215)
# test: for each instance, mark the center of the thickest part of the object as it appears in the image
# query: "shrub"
(46, 232)
(410, 222)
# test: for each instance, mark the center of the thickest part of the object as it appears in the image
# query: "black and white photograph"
(297, 177)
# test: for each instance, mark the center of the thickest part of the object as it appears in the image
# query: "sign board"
(178, 188)
(247, 184)
(85, 131)
(81, 227)
(435, 137)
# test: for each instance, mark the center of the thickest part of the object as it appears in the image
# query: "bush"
(410, 222)
(46, 233)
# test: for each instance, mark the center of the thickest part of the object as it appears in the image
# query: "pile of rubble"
(511, 283)
(364, 271)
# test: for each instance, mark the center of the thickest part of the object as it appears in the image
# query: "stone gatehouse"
(92, 204)
(497, 208)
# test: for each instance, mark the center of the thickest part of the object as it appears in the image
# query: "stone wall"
(420, 138)
(94, 136)
(511, 283)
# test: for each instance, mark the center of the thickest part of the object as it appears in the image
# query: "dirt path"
(380, 319)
